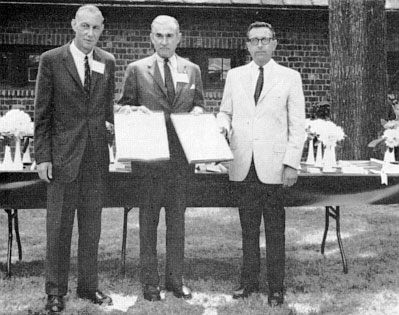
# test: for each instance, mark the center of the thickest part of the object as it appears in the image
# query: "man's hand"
(197, 110)
(127, 109)
(45, 171)
(223, 131)
(290, 176)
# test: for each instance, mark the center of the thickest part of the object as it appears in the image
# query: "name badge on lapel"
(182, 77)
(98, 67)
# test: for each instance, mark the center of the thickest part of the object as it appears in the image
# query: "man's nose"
(164, 40)
(90, 31)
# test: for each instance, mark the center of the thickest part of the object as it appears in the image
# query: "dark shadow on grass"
(23, 269)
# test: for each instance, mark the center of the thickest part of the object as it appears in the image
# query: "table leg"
(9, 248)
(17, 237)
(124, 235)
(334, 212)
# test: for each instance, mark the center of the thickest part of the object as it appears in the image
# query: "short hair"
(91, 8)
(160, 19)
(258, 24)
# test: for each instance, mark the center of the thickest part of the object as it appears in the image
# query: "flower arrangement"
(16, 123)
(327, 134)
(325, 131)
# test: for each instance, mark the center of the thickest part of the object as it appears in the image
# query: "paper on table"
(200, 138)
(141, 137)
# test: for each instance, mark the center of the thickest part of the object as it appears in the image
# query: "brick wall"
(303, 41)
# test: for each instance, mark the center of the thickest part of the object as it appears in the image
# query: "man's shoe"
(180, 292)
(275, 299)
(152, 293)
(96, 297)
(55, 303)
(244, 291)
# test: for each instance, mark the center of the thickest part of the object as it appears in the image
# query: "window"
(214, 63)
(19, 65)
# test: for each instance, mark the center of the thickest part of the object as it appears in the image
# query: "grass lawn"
(315, 284)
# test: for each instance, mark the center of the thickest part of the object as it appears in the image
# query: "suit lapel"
(71, 67)
(247, 84)
(269, 82)
(95, 76)
(154, 71)
(181, 68)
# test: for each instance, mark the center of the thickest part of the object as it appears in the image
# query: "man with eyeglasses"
(263, 114)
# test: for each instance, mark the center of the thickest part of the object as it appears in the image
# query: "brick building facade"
(216, 32)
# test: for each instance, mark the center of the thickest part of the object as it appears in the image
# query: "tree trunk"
(358, 72)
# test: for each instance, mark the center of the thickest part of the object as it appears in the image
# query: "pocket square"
(192, 87)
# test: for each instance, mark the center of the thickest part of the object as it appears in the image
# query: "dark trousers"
(165, 187)
(256, 200)
(84, 194)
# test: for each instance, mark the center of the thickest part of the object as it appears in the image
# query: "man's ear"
(73, 24)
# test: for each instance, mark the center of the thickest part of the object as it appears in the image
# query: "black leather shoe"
(275, 299)
(244, 291)
(55, 304)
(152, 293)
(180, 292)
(96, 297)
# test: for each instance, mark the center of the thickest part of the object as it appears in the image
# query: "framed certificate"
(200, 138)
(141, 137)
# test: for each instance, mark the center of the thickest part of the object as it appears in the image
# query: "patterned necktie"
(87, 81)
(259, 85)
(170, 87)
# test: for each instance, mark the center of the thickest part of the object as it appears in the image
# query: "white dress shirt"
(172, 65)
(79, 58)
(255, 73)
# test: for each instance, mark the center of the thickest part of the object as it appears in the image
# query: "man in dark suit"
(74, 100)
(164, 82)
(263, 109)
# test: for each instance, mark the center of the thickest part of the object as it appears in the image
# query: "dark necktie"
(259, 85)
(170, 87)
(87, 76)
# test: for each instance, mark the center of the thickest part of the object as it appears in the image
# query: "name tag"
(182, 77)
(98, 67)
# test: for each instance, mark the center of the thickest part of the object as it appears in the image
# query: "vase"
(310, 159)
(329, 158)
(389, 155)
(319, 155)
(7, 164)
(26, 159)
(111, 154)
(17, 163)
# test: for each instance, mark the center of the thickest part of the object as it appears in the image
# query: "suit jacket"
(65, 118)
(143, 85)
(271, 132)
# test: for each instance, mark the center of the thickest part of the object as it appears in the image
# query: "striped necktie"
(87, 80)
(170, 87)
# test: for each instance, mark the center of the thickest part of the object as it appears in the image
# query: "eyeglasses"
(265, 40)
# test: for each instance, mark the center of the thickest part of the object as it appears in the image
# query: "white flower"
(391, 137)
(326, 131)
(16, 123)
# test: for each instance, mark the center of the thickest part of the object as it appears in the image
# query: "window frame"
(201, 56)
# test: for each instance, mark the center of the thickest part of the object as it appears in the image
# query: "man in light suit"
(74, 100)
(263, 112)
(164, 82)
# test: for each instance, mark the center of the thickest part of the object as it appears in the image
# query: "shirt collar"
(172, 60)
(266, 67)
(78, 53)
